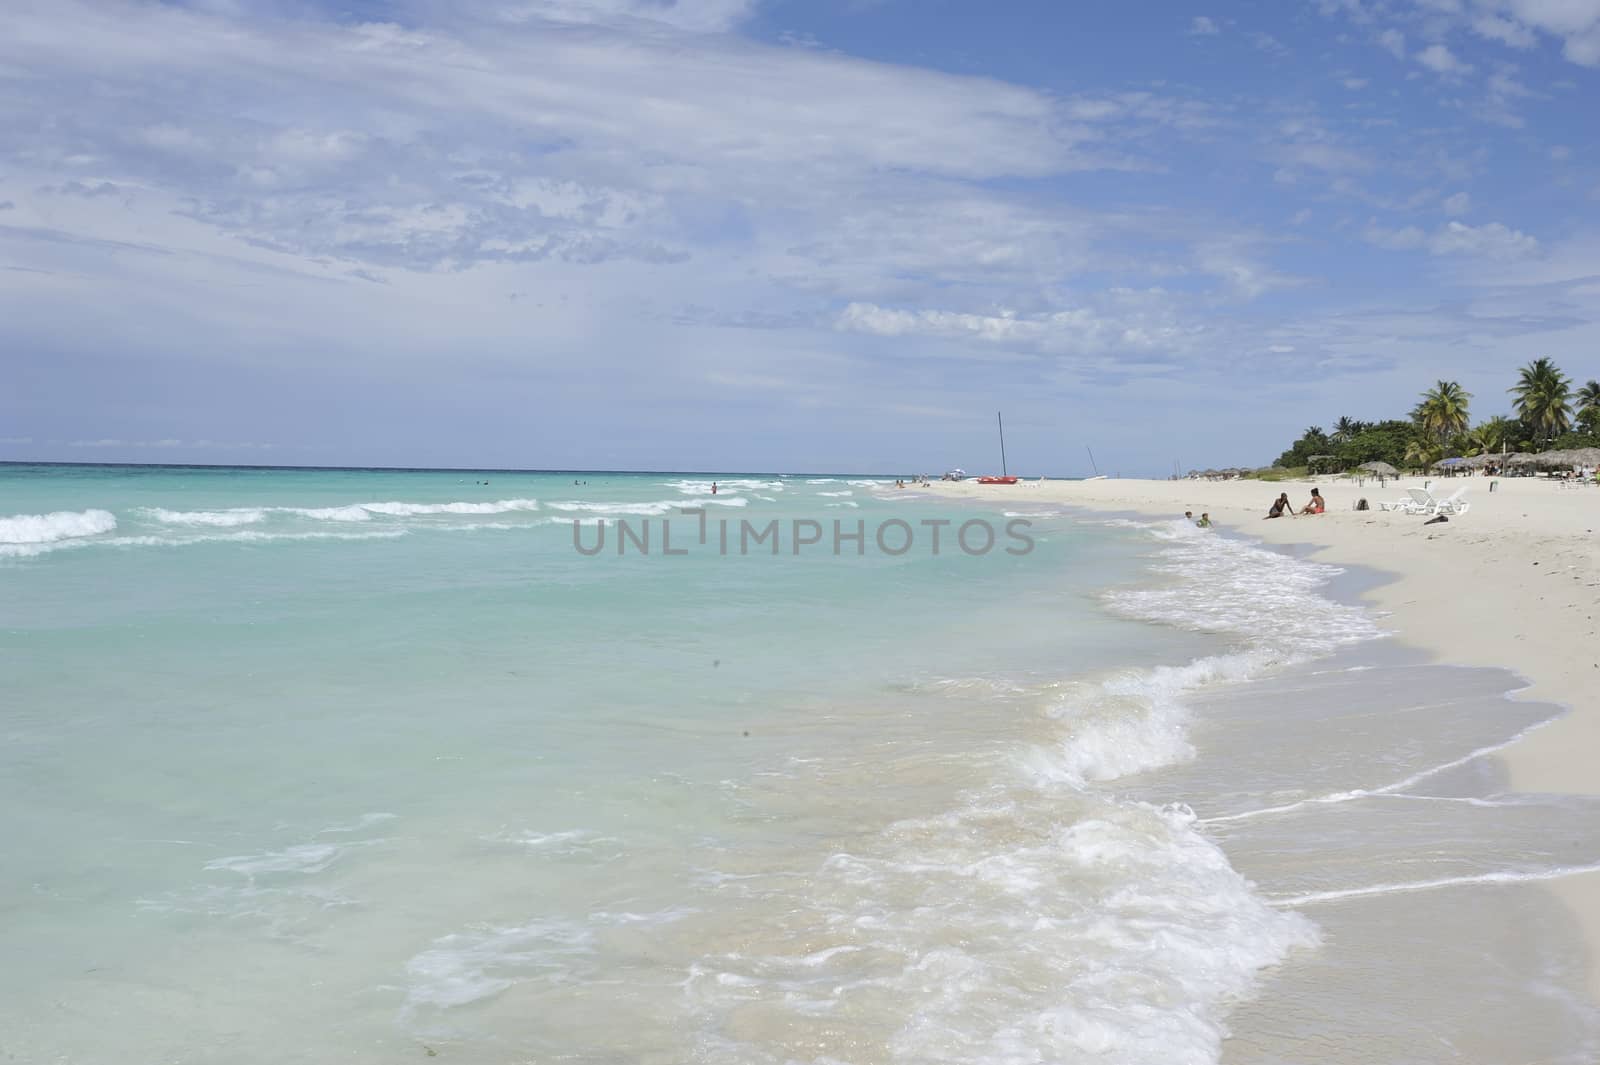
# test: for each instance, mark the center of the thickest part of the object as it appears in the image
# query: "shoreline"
(1514, 583)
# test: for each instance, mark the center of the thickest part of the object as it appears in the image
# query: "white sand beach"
(1514, 582)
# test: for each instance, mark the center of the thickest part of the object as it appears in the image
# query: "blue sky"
(784, 235)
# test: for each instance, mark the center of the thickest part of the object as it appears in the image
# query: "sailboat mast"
(1001, 422)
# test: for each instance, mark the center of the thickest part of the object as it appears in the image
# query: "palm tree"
(1421, 452)
(1345, 428)
(1589, 397)
(1442, 413)
(1493, 435)
(1542, 393)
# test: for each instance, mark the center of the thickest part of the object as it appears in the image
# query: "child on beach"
(1204, 522)
(1281, 507)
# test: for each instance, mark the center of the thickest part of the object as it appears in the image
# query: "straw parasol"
(1380, 468)
(1585, 456)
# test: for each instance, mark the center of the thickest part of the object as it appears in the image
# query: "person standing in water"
(713, 487)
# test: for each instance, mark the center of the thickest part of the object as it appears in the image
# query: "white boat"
(954, 475)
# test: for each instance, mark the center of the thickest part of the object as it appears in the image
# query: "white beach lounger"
(1453, 503)
(1410, 503)
(1416, 501)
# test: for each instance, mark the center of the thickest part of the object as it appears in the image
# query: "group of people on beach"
(1282, 506)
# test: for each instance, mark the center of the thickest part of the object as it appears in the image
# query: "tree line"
(1546, 412)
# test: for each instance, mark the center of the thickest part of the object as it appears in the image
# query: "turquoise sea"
(316, 765)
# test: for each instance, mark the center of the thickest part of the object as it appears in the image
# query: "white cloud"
(1405, 239)
(1458, 204)
(702, 16)
(1134, 322)
(1514, 23)
(1493, 241)
(1440, 60)
(1504, 30)
(1201, 26)
(1269, 44)
(1489, 241)
(1354, 84)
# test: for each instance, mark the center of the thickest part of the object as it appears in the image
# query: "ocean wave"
(646, 509)
(737, 484)
(406, 510)
(847, 492)
(304, 859)
(471, 966)
(247, 536)
(348, 512)
(215, 518)
(1222, 585)
(56, 526)
(1137, 720)
(1009, 929)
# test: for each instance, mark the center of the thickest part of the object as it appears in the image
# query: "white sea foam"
(406, 510)
(246, 536)
(347, 512)
(737, 484)
(1223, 585)
(478, 964)
(646, 509)
(214, 518)
(304, 859)
(1137, 721)
(846, 492)
(26, 529)
(1500, 876)
(1012, 930)
(1130, 722)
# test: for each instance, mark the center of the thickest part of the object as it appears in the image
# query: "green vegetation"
(1546, 413)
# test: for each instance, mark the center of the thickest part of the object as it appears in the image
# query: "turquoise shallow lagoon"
(367, 765)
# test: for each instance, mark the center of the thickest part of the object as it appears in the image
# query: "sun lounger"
(1453, 503)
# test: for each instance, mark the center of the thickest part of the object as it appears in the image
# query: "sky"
(781, 235)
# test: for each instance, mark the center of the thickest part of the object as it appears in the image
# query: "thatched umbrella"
(1585, 456)
(1381, 468)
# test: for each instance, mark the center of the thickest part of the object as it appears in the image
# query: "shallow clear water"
(311, 764)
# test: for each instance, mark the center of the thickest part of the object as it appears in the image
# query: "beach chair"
(1417, 501)
(1453, 503)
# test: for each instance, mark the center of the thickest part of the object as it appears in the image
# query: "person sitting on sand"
(1204, 522)
(1281, 507)
(1317, 504)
